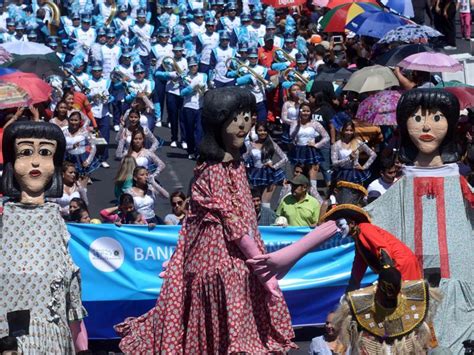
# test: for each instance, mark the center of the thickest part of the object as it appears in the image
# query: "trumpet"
(170, 64)
(296, 75)
(116, 75)
(240, 65)
(280, 53)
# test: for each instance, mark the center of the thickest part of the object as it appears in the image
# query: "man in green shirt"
(299, 208)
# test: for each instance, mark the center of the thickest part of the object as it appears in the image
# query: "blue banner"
(120, 267)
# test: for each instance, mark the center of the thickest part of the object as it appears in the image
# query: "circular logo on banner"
(106, 254)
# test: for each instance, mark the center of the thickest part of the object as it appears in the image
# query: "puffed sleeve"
(75, 310)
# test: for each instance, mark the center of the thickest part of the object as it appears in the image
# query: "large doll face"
(235, 130)
(34, 165)
(427, 129)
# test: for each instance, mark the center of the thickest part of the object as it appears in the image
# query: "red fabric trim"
(434, 187)
(418, 220)
(466, 191)
(441, 217)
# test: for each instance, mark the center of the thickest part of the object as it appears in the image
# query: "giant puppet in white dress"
(430, 208)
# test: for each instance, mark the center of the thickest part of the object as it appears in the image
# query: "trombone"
(70, 73)
(113, 12)
(296, 75)
(170, 64)
(241, 65)
(280, 53)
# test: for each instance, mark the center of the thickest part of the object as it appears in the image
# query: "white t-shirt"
(464, 6)
(379, 185)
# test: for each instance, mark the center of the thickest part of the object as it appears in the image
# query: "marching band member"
(84, 35)
(301, 69)
(120, 81)
(231, 21)
(205, 43)
(174, 102)
(168, 8)
(219, 57)
(111, 53)
(100, 41)
(53, 44)
(122, 23)
(160, 50)
(141, 37)
(20, 35)
(271, 31)
(256, 30)
(104, 8)
(255, 85)
(193, 89)
(197, 25)
(141, 88)
(237, 32)
(99, 98)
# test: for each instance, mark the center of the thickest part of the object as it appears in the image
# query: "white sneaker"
(184, 145)
(105, 165)
(450, 48)
(174, 144)
(158, 124)
(116, 128)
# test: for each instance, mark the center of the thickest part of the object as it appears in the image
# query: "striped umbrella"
(12, 95)
(336, 19)
(333, 3)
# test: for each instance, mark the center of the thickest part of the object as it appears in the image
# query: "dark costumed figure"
(430, 208)
(211, 302)
(40, 303)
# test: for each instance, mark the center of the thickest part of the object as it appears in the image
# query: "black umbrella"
(334, 74)
(42, 65)
(397, 54)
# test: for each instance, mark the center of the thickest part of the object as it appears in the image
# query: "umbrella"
(284, 3)
(397, 54)
(4, 71)
(402, 7)
(334, 74)
(453, 83)
(5, 56)
(333, 3)
(373, 78)
(335, 20)
(41, 65)
(37, 89)
(431, 62)
(320, 3)
(409, 33)
(379, 109)
(375, 24)
(26, 48)
(13, 96)
(464, 94)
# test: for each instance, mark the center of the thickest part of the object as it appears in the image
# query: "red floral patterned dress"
(210, 302)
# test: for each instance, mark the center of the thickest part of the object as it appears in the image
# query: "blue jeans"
(158, 97)
(325, 165)
(192, 132)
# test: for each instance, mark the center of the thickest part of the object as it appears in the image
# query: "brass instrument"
(240, 65)
(113, 12)
(297, 76)
(116, 75)
(55, 21)
(85, 90)
(100, 98)
(284, 54)
(170, 64)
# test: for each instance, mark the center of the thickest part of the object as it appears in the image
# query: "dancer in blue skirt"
(262, 172)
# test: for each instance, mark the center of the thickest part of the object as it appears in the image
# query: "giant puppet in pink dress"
(430, 208)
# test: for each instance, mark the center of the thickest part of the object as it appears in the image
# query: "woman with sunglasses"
(178, 205)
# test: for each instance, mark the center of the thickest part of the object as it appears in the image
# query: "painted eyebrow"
(32, 143)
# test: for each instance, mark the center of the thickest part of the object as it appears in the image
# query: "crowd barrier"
(120, 266)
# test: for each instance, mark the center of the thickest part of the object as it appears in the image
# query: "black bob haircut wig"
(430, 99)
(219, 106)
(28, 129)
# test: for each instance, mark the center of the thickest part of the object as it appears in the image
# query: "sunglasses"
(177, 203)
